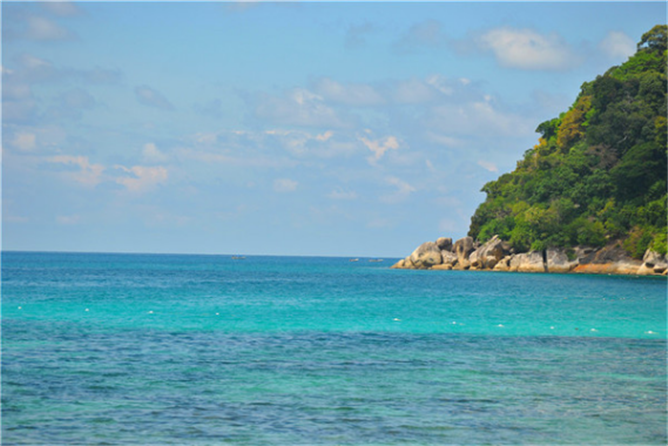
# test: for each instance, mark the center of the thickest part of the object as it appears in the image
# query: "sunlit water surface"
(206, 350)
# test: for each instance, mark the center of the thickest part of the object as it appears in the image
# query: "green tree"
(598, 172)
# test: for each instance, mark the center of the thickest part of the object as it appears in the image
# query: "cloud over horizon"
(527, 49)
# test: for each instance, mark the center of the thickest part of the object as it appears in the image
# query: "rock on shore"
(498, 255)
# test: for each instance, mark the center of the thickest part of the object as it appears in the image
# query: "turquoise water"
(204, 350)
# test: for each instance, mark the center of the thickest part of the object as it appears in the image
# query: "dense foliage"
(598, 173)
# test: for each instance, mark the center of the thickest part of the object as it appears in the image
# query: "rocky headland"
(595, 184)
(498, 255)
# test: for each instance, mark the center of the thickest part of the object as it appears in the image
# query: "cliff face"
(497, 255)
(598, 173)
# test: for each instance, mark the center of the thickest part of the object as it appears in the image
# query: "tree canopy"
(599, 170)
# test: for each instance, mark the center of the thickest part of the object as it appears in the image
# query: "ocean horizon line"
(236, 254)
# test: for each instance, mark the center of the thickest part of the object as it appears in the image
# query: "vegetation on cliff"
(598, 173)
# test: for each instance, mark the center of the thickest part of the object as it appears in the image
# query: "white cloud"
(476, 118)
(152, 154)
(325, 136)
(443, 140)
(61, 8)
(206, 138)
(380, 146)
(298, 107)
(441, 84)
(7, 218)
(412, 91)
(43, 29)
(617, 45)
(88, 174)
(348, 94)
(285, 185)
(143, 178)
(31, 62)
(25, 141)
(491, 167)
(402, 192)
(526, 49)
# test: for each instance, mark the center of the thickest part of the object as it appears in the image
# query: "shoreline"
(498, 255)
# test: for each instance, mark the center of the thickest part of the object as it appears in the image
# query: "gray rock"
(489, 254)
(448, 257)
(463, 248)
(653, 263)
(660, 268)
(558, 262)
(403, 264)
(652, 258)
(528, 262)
(444, 244)
(503, 264)
(426, 255)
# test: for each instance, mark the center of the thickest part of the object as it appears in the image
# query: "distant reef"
(591, 196)
(498, 255)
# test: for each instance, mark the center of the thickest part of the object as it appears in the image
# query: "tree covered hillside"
(598, 173)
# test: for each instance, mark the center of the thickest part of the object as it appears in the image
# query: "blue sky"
(345, 129)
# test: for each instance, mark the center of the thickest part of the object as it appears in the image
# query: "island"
(590, 196)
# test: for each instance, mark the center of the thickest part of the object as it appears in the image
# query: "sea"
(142, 349)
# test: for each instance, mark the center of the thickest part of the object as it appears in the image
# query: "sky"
(319, 129)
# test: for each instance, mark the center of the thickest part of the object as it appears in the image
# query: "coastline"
(498, 255)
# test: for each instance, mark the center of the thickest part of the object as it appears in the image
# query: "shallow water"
(159, 349)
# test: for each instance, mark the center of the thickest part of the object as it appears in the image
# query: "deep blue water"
(123, 349)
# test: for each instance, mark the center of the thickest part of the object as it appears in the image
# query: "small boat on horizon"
(354, 260)
(238, 257)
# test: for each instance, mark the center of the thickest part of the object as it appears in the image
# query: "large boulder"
(448, 257)
(653, 263)
(444, 243)
(528, 262)
(426, 255)
(503, 264)
(463, 248)
(404, 264)
(489, 254)
(652, 258)
(558, 262)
